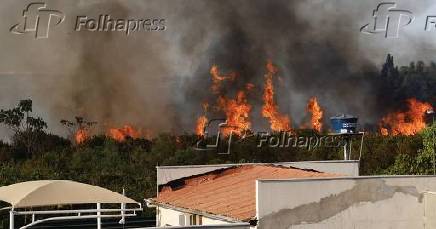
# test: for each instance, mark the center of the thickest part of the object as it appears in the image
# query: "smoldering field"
(158, 80)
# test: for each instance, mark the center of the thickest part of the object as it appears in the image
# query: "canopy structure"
(61, 192)
(57, 192)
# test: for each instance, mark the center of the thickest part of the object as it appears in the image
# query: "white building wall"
(167, 217)
(429, 210)
(341, 203)
(170, 217)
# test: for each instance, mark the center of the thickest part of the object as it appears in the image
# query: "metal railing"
(80, 214)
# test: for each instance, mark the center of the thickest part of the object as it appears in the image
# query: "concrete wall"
(169, 173)
(358, 203)
(170, 217)
(430, 210)
(347, 168)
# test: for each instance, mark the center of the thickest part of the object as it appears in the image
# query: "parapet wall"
(166, 174)
(359, 202)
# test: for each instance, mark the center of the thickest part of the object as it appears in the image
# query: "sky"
(157, 79)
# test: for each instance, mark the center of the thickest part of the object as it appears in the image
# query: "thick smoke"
(311, 63)
(157, 80)
(120, 80)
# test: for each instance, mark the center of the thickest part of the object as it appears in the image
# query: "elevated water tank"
(344, 124)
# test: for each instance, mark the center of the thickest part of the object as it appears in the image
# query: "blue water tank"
(344, 124)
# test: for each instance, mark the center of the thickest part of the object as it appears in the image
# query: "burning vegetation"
(270, 110)
(202, 120)
(236, 99)
(121, 134)
(80, 129)
(407, 122)
(81, 136)
(316, 119)
(201, 124)
(237, 106)
(238, 110)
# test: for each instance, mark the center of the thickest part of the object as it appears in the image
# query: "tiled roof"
(227, 192)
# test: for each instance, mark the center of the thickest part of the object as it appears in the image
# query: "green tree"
(26, 127)
(426, 158)
(421, 163)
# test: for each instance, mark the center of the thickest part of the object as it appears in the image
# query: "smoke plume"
(157, 80)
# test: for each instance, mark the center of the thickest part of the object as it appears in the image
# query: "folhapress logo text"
(38, 20)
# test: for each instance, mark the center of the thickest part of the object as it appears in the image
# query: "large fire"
(121, 134)
(81, 135)
(278, 121)
(237, 110)
(316, 111)
(237, 113)
(408, 122)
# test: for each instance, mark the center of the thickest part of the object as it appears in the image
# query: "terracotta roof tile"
(228, 192)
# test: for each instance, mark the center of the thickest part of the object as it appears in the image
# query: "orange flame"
(121, 134)
(81, 136)
(202, 120)
(201, 124)
(409, 122)
(278, 121)
(237, 113)
(314, 108)
(237, 110)
(217, 78)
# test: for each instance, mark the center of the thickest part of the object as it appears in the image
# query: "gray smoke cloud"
(157, 80)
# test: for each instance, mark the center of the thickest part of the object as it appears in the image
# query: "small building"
(292, 195)
(222, 196)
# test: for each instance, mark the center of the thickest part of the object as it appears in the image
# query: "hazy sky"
(156, 80)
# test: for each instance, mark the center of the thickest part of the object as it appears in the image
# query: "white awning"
(57, 192)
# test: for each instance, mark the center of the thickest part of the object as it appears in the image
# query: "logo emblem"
(38, 19)
(388, 20)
